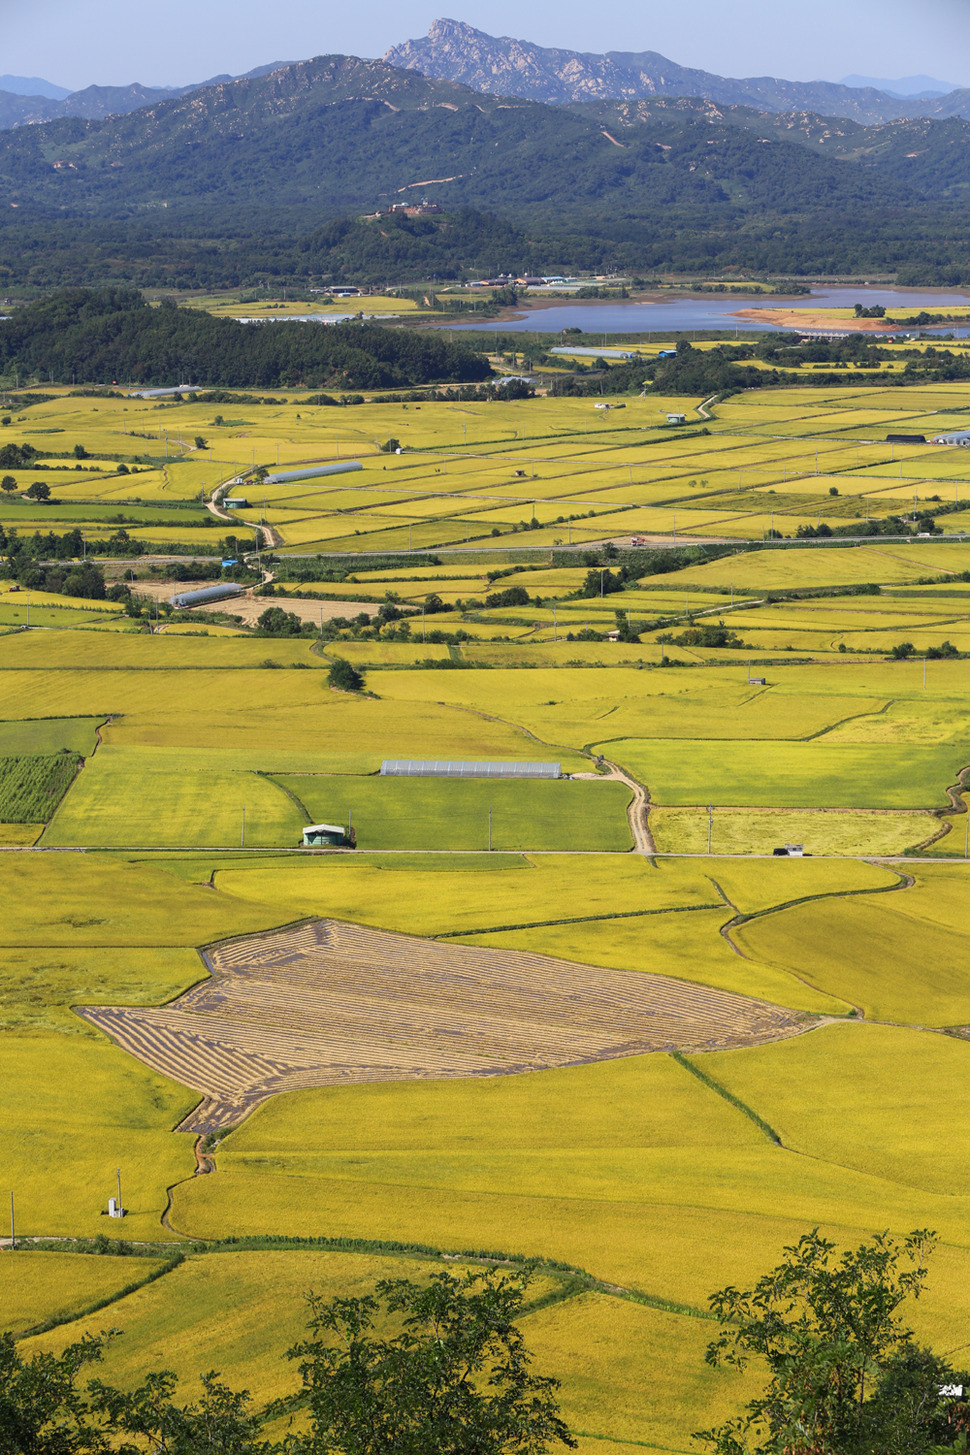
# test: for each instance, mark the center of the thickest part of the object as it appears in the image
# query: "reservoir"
(720, 312)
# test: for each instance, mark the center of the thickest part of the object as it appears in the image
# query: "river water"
(718, 312)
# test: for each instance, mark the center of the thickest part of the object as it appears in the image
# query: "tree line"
(112, 334)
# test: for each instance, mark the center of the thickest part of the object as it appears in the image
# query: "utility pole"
(120, 1203)
(489, 830)
(601, 583)
(242, 836)
(555, 628)
(710, 827)
(13, 1233)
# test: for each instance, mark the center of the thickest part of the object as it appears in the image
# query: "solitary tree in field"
(8, 483)
(844, 1376)
(344, 675)
(40, 490)
(432, 1369)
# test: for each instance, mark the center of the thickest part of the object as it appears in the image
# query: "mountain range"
(339, 134)
(501, 66)
(33, 86)
(921, 87)
(22, 107)
(265, 174)
(455, 51)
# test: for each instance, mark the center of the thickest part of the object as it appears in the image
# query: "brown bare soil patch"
(331, 1004)
(250, 607)
(804, 318)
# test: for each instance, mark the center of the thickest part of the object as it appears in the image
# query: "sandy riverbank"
(804, 318)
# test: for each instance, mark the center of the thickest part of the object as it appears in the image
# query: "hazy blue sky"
(112, 42)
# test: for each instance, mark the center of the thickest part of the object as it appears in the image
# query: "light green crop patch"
(463, 814)
(789, 775)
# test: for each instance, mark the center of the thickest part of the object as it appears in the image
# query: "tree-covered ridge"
(340, 133)
(113, 334)
(267, 177)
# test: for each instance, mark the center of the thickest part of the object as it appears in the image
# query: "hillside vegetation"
(684, 184)
(115, 334)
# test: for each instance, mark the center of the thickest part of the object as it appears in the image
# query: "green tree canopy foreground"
(408, 1370)
(844, 1374)
(344, 676)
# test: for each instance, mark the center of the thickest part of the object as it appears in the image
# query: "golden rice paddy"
(658, 1063)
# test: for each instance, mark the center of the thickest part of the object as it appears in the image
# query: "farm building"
(446, 768)
(205, 594)
(585, 352)
(324, 836)
(163, 393)
(958, 437)
(289, 477)
(676, 418)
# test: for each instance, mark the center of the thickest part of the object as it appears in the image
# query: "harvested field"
(328, 1004)
(250, 607)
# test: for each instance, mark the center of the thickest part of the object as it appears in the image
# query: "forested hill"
(245, 180)
(113, 334)
(337, 134)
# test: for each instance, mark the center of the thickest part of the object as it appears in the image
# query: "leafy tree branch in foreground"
(845, 1376)
(408, 1370)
